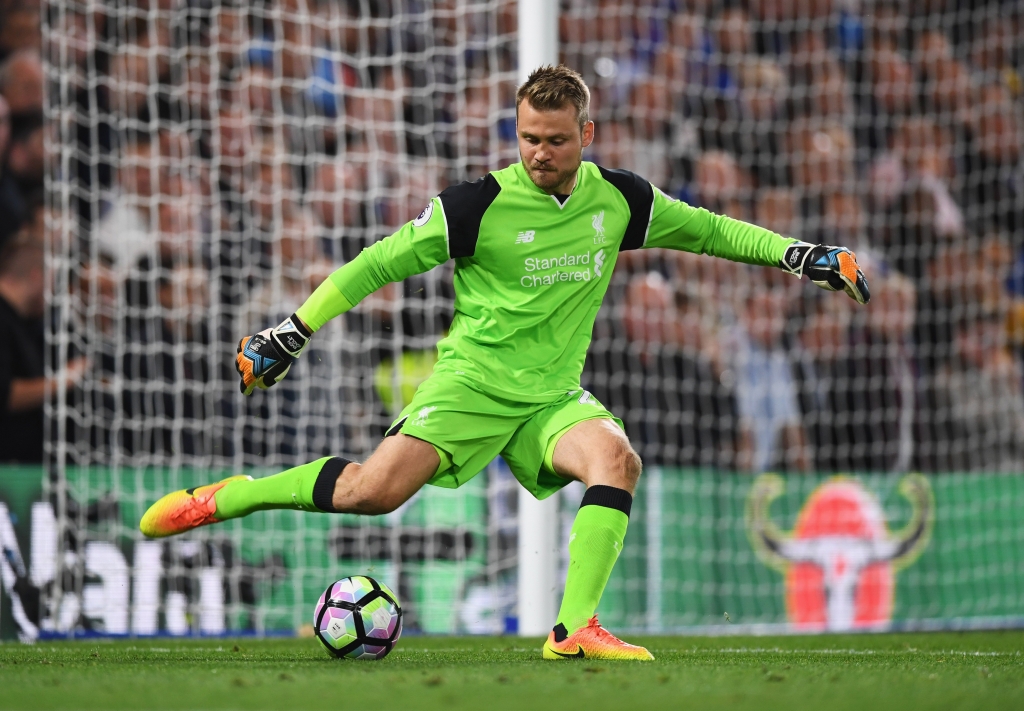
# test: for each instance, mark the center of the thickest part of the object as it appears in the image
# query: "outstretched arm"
(265, 358)
(676, 225)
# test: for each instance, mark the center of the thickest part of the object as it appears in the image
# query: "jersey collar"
(521, 171)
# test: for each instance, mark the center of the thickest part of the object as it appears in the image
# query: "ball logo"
(840, 559)
(424, 216)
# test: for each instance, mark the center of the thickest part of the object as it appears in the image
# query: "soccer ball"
(358, 618)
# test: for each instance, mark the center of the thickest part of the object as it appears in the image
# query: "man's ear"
(588, 133)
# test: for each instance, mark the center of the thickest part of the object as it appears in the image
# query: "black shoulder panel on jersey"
(640, 197)
(464, 207)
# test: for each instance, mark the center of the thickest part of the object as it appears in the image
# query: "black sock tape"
(609, 497)
(560, 632)
(323, 487)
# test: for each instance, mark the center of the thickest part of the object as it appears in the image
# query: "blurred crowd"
(893, 128)
(208, 162)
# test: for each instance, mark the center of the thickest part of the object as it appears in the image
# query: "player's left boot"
(593, 642)
(184, 510)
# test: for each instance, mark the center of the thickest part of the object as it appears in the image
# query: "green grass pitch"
(971, 670)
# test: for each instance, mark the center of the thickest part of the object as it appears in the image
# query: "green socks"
(309, 487)
(594, 546)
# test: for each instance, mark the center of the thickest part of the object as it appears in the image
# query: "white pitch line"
(742, 650)
(866, 652)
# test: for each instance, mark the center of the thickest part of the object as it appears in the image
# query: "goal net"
(211, 162)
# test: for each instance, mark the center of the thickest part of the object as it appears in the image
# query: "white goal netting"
(211, 161)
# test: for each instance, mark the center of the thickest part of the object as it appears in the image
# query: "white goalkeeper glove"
(831, 268)
(265, 358)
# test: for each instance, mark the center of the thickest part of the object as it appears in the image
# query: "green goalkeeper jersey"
(531, 270)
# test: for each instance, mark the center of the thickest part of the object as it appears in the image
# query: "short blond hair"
(550, 88)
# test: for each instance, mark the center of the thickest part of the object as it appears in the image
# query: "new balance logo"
(525, 237)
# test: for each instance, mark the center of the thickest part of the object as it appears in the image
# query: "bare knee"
(621, 469)
(631, 466)
(396, 471)
(358, 491)
(373, 501)
(376, 504)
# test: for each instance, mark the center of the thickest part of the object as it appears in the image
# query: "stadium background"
(203, 165)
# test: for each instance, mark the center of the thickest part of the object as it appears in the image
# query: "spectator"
(13, 205)
(843, 220)
(651, 146)
(613, 145)
(127, 229)
(747, 108)
(303, 268)
(891, 94)
(992, 53)
(21, 82)
(26, 157)
(672, 397)
(859, 379)
(23, 384)
(338, 195)
(258, 97)
(920, 151)
(772, 434)
(821, 157)
(995, 189)
(777, 210)
(271, 188)
(167, 345)
(977, 413)
(764, 90)
(949, 93)
(19, 27)
(678, 60)
(821, 88)
(885, 25)
(912, 238)
(722, 186)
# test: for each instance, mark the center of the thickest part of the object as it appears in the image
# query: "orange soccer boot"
(184, 510)
(593, 642)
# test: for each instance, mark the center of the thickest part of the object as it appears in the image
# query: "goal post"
(538, 549)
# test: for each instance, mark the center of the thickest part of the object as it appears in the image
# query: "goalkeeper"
(534, 247)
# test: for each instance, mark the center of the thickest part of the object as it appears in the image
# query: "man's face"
(551, 145)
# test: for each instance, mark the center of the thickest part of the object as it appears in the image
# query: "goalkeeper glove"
(831, 268)
(266, 357)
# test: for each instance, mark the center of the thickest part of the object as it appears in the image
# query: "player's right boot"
(592, 642)
(184, 510)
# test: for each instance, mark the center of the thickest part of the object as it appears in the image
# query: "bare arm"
(26, 394)
(30, 393)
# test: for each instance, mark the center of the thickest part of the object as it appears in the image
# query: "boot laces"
(198, 510)
(601, 633)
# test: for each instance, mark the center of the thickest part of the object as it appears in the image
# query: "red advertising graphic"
(840, 559)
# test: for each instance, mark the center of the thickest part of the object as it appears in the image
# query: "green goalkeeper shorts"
(470, 428)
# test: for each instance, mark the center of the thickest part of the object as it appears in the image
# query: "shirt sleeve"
(676, 225)
(417, 247)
